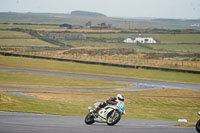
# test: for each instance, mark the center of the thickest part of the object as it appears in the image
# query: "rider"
(111, 101)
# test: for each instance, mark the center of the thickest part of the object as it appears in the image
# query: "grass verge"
(186, 125)
(69, 67)
(167, 104)
(20, 79)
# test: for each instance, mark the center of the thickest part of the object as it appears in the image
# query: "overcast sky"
(185, 9)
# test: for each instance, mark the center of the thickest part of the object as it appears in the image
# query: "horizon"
(103, 14)
(171, 9)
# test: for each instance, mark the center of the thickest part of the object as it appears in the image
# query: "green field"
(20, 79)
(176, 48)
(13, 39)
(33, 27)
(148, 48)
(109, 35)
(177, 38)
(168, 43)
(179, 55)
(24, 43)
(6, 34)
(173, 43)
(68, 67)
(96, 44)
(163, 38)
(167, 104)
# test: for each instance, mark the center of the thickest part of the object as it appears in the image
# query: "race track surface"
(37, 123)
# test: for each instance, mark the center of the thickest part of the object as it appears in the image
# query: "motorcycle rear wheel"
(198, 126)
(89, 119)
(112, 121)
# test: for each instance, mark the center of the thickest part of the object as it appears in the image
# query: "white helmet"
(120, 97)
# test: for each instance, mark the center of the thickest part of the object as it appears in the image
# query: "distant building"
(195, 25)
(140, 39)
(88, 24)
(77, 27)
(103, 25)
(69, 26)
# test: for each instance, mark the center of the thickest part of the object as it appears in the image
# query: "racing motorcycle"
(110, 114)
(198, 124)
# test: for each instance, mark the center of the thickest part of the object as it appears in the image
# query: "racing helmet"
(120, 97)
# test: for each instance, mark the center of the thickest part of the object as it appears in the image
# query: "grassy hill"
(88, 14)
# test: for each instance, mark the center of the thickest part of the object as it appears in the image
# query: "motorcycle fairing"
(104, 112)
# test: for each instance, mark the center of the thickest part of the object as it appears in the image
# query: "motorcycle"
(110, 114)
(198, 124)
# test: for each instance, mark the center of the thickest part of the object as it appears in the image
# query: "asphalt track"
(38, 123)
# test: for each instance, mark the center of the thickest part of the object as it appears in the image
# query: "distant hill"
(84, 17)
(88, 14)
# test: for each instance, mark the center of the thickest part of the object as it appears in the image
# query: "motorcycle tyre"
(116, 121)
(198, 126)
(91, 121)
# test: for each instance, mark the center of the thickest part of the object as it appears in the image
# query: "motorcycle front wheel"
(89, 119)
(198, 126)
(112, 119)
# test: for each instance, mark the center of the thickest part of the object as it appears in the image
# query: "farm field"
(163, 38)
(96, 44)
(14, 40)
(180, 51)
(168, 43)
(149, 48)
(33, 27)
(56, 28)
(6, 34)
(166, 104)
(178, 48)
(24, 43)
